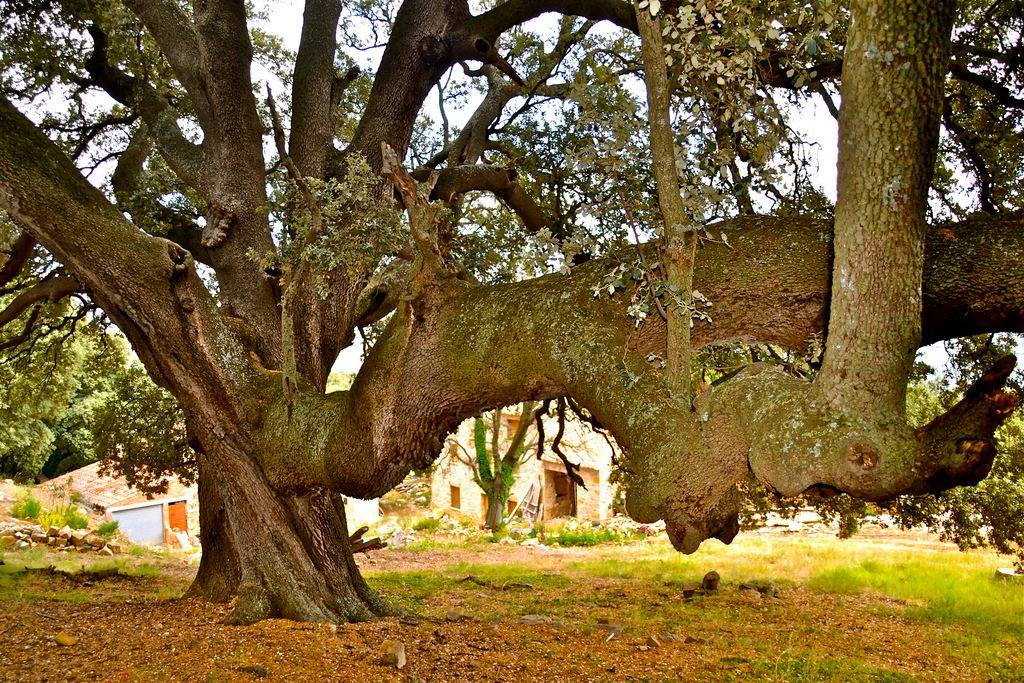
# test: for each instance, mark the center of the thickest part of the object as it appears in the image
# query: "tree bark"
(294, 559)
(219, 569)
(893, 71)
(679, 240)
(495, 507)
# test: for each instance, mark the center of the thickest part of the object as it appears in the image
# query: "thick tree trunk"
(282, 554)
(495, 509)
(219, 571)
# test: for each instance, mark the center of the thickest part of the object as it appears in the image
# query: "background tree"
(496, 459)
(239, 276)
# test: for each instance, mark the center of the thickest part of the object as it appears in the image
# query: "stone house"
(541, 486)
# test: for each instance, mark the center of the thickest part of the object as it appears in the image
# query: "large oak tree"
(238, 299)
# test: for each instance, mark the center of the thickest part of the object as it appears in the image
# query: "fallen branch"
(508, 585)
(359, 545)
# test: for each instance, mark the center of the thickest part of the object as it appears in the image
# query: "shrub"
(75, 519)
(63, 515)
(28, 507)
(107, 529)
(427, 524)
(586, 537)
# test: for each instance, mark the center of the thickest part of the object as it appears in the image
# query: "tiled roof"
(105, 491)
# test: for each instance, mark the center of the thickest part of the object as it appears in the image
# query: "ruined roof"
(109, 491)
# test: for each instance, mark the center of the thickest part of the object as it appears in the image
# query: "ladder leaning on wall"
(530, 504)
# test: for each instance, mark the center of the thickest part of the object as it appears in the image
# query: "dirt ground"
(133, 628)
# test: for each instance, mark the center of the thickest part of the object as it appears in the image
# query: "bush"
(587, 537)
(427, 524)
(108, 529)
(28, 507)
(63, 515)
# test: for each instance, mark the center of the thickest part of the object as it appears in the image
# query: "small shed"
(170, 518)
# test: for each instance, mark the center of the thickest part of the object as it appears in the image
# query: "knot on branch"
(179, 260)
(782, 429)
(219, 224)
(479, 49)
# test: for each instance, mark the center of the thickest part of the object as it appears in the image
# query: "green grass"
(585, 538)
(27, 508)
(977, 612)
(800, 667)
(16, 582)
(935, 592)
(108, 528)
(427, 524)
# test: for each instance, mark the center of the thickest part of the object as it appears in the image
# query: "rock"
(392, 653)
(95, 541)
(21, 545)
(53, 532)
(644, 648)
(750, 592)
(690, 640)
(7, 541)
(401, 538)
(59, 542)
(255, 669)
(711, 581)
(534, 619)
(764, 588)
(65, 639)
(105, 550)
(65, 532)
(653, 642)
(78, 537)
(38, 537)
(116, 547)
(454, 616)
(1008, 574)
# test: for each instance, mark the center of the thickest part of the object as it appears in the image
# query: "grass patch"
(427, 524)
(980, 616)
(800, 667)
(108, 528)
(585, 538)
(935, 592)
(27, 507)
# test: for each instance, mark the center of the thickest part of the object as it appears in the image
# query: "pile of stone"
(64, 539)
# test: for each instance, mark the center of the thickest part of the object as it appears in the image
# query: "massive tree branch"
(147, 285)
(50, 290)
(20, 254)
(494, 22)
(176, 38)
(312, 125)
(428, 374)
